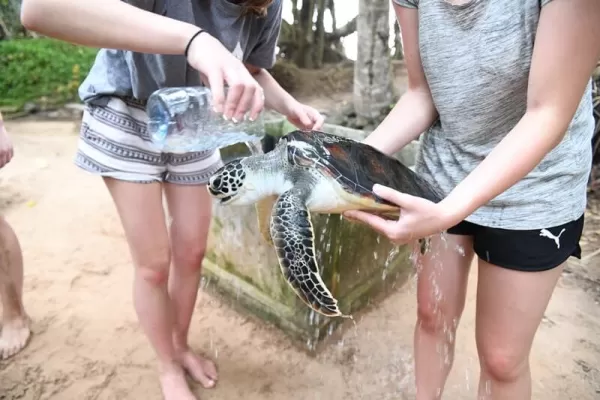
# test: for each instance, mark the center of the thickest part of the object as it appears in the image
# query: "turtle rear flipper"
(293, 239)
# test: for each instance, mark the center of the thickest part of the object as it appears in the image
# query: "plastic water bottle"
(182, 119)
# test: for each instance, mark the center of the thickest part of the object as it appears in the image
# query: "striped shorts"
(114, 142)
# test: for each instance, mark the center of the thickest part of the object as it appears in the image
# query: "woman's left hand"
(419, 218)
(304, 117)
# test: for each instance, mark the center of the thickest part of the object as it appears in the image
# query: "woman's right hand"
(218, 66)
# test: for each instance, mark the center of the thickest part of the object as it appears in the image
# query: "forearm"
(107, 24)
(276, 98)
(509, 162)
(412, 115)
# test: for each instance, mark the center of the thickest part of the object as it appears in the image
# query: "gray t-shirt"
(250, 38)
(476, 59)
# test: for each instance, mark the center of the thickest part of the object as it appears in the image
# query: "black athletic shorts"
(524, 250)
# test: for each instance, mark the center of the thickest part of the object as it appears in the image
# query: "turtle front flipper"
(264, 207)
(294, 242)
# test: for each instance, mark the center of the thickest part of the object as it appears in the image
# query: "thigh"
(141, 212)
(442, 275)
(510, 307)
(518, 271)
(190, 208)
(114, 143)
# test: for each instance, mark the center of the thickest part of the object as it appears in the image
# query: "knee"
(155, 269)
(435, 319)
(188, 254)
(502, 363)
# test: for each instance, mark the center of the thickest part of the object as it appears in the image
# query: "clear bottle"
(182, 119)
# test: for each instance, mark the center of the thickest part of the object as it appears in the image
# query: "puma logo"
(550, 235)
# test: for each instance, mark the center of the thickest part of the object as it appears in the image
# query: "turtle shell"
(355, 165)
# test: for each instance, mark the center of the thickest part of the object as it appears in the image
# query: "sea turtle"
(312, 172)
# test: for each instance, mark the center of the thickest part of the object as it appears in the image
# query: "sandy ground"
(87, 344)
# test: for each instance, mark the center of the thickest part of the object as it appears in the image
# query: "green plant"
(45, 71)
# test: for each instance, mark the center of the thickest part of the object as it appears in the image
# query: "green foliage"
(44, 71)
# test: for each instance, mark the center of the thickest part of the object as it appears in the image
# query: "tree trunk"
(10, 19)
(331, 8)
(295, 12)
(319, 46)
(304, 55)
(305, 41)
(373, 89)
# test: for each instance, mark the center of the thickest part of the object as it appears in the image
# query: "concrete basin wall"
(357, 265)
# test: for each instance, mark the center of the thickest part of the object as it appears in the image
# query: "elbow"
(553, 120)
(31, 15)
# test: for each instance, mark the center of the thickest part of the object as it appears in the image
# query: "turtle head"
(239, 182)
(228, 183)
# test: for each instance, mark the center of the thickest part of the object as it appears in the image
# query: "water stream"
(400, 372)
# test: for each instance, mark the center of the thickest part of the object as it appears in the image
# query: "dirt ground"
(87, 344)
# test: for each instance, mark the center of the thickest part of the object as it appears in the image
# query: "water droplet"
(255, 147)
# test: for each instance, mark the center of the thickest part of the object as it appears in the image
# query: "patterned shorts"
(114, 142)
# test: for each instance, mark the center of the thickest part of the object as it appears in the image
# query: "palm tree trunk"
(373, 89)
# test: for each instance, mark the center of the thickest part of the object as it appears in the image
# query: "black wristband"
(187, 48)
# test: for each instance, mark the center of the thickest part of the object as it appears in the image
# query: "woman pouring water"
(502, 91)
(168, 43)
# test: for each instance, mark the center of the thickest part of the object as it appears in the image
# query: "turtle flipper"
(263, 213)
(293, 239)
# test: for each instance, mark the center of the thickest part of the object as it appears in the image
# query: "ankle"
(170, 366)
(180, 343)
(15, 319)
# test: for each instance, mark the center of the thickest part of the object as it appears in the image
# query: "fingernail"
(225, 117)
(234, 119)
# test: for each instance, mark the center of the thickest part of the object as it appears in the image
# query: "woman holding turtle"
(146, 45)
(501, 90)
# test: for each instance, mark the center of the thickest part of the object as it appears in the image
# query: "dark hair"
(258, 7)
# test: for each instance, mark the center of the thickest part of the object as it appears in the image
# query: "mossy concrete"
(358, 265)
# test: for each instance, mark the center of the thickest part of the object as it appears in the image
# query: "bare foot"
(14, 337)
(173, 383)
(201, 369)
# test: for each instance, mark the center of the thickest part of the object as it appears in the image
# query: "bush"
(45, 71)
(286, 74)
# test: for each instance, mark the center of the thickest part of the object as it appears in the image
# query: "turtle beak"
(216, 190)
(224, 200)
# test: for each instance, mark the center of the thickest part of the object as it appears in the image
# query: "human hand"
(218, 66)
(419, 218)
(303, 116)
(6, 146)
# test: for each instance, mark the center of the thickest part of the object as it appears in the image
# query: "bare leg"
(190, 207)
(15, 322)
(142, 215)
(441, 290)
(510, 307)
